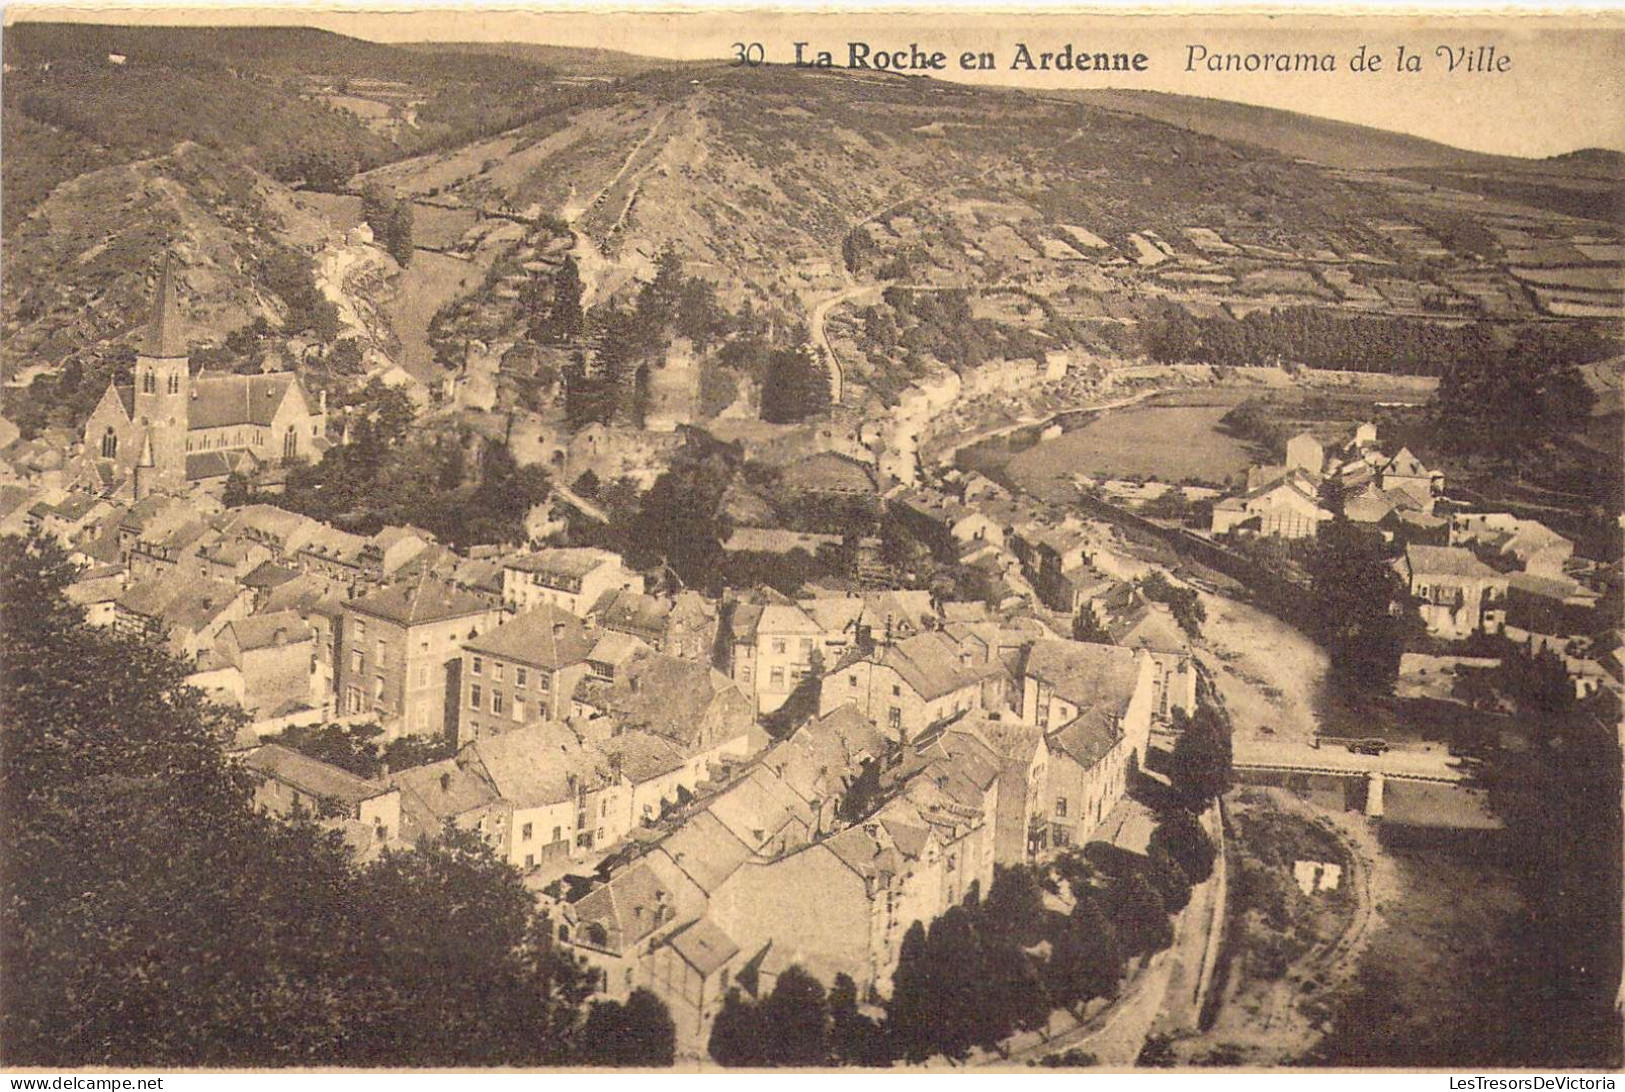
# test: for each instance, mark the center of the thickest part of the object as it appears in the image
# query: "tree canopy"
(153, 918)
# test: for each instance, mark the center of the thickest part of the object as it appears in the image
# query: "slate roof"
(633, 904)
(538, 764)
(273, 630)
(703, 946)
(758, 808)
(1431, 561)
(183, 602)
(622, 609)
(577, 561)
(438, 791)
(548, 637)
(706, 851)
(165, 337)
(1089, 736)
(268, 575)
(860, 852)
(1086, 675)
(667, 696)
(929, 664)
(220, 401)
(420, 603)
(643, 756)
(310, 775)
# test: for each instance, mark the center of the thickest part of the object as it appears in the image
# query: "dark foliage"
(215, 936)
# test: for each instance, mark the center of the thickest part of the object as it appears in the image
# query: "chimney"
(321, 402)
(558, 630)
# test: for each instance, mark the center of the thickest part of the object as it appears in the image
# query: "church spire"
(164, 338)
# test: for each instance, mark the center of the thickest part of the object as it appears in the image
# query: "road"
(1429, 761)
(1116, 1034)
(820, 315)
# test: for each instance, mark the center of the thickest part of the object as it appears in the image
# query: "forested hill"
(299, 103)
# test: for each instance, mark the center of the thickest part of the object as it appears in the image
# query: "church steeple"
(145, 469)
(164, 337)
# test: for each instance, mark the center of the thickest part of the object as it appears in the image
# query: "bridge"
(1267, 761)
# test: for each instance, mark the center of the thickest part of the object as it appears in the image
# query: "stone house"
(1456, 593)
(1094, 704)
(276, 656)
(573, 578)
(525, 669)
(910, 686)
(400, 655)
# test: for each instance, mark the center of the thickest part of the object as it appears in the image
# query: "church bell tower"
(163, 385)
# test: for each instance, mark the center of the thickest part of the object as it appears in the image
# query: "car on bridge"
(1373, 746)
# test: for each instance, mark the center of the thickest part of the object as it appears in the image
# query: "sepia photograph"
(925, 541)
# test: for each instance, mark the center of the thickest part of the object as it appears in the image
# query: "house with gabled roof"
(1094, 703)
(1456, 593)
(770, 643)
(1286, 507)
(564, 795)
(400, 654)
(912, 685)
(523, 670)
(368, 813)
(275, 655)
(574, 578)
(182, 612)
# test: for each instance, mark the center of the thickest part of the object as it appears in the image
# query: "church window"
(290, 443)
(109, 443)
(149, 383)
(174, 384)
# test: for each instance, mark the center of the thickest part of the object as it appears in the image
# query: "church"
(172, 430)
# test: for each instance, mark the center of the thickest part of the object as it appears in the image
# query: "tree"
(958, 983)
(1357, 596)
(1014, 911)
(796, 385)
(911, 1011)
(1087, 628)
(1136, 909)
(555, 309)
(1012, 996)
(638, 1034)
(737, 1037)
(794, 1020)
(1184, 602)
(1168, 878)
(1199, 767)
(853, 1037)
(1085, 962)
(1181, 836)
(216, 936)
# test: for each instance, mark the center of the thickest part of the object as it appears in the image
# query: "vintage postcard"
(811, 539)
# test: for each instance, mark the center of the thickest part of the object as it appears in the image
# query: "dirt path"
(1269, 675)
(1262, 1023)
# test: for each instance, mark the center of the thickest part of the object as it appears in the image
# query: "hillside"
(79, 272)
(1587, 183)
(1299, 136)
(911, 223)
(579, 61)
(300, 104)
(758, 177)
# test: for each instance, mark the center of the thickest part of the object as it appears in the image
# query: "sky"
(1563, 86)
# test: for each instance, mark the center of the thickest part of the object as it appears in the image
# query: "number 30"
(748, 53)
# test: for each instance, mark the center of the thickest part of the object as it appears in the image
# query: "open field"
(1171, 443)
